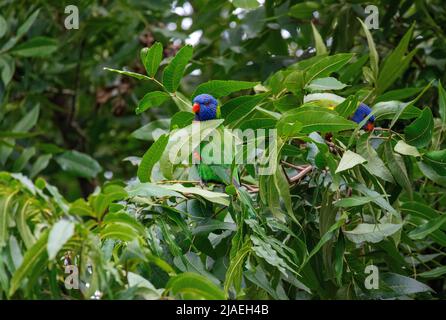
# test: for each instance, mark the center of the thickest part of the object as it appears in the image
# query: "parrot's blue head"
(205, 107)
(361, 113)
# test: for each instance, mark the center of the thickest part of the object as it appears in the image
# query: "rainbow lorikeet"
(206, 108)
(330, 101)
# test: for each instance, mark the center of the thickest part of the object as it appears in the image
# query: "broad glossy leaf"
(79, 164)
(151, 99)
(322, 84)
(238, 108)
(152, 156)
(151, 58)
(60, 233)
(419, 132)
(374, 233)
(221, 88)
(326, 66)
(349, 160)
(246, 4)
(175, 69)
(181, 119)
(406, 149)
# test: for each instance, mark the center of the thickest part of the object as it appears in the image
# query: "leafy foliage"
(340, 199)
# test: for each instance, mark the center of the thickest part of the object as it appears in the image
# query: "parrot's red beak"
(196, 107)
(370, 126)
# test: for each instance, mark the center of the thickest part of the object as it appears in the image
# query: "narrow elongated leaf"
(374, 164)
(366, 232)
(79, 164)
(321, 49)
(374, 58)
(194, 286)
(129, 74)
(398, 168)
(32, 260)
(174, 71)
(246, 4)
(419, 132)
(36, 47)
(40, 164)
(442, 103)
(424, 230)
(221, 88)
(320, 120)
(152, 156)
(60, 233)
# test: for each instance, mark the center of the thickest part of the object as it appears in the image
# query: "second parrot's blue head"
(361, 113)
(205, 107)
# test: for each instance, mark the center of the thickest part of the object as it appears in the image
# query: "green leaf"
(33, 261)
(79, 164)
(321, 49)
(304, 10)
(175, 69)
(40, 164)
(151, 190)
(424, 230)
(398, 94)
(151, 99)
(234, 273)
(442, 103)
(151, 58)
(152, 156)
(328, 83)
(319, 120)
(129, 73)
(181, 119)
(194, 286)
(28, 121)
(397, 167)
(5, 211)
(374, 233)
(391, 109)
(3, 26)
(374, 164)
(221, 88)
(434, 273)
(212, 196)
(246, 4)
(353, 201)
(403, 285)
(60, 233)
(238, 108)
(395, 63)
(374, 58)
(27, 24)
(326, 66)
(430, 173)
(349, 160)
(405, 106)
(437, 159)
(36, 47)
(419, 132)
(408, 150)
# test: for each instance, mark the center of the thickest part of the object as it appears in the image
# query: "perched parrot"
(206, 108)
(330, 101)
